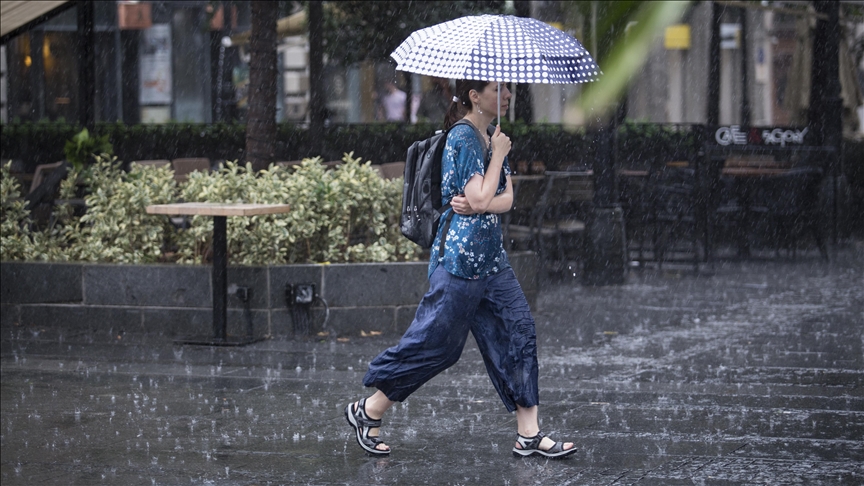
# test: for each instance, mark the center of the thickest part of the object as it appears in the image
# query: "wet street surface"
(751, 375)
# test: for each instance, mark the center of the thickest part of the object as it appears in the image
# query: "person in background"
(434, 103)
(472, 288)
(392, 106)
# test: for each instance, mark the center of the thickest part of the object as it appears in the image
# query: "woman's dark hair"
(457, 110)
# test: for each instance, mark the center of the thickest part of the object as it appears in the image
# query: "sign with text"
(766, 136)
(155, 66)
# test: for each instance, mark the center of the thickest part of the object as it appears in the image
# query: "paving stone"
(752, 375)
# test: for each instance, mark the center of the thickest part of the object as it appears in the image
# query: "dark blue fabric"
(494, 310)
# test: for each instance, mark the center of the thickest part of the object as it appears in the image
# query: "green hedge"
(556, 146)
(349, 214)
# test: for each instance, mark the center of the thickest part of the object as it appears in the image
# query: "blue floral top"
(474, 247)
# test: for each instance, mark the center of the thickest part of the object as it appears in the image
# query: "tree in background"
(261, 118)
(357, 31)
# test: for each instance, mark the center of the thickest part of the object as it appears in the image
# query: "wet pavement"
(752, 375)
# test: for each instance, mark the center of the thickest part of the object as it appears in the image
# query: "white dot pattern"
(499, 48)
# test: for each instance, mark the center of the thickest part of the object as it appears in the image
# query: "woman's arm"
(480, 190)
(501, 203)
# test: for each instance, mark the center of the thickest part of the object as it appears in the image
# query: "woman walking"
(471, 287)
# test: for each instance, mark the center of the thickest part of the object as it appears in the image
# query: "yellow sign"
(677, 37)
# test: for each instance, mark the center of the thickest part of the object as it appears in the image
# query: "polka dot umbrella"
(499, 48)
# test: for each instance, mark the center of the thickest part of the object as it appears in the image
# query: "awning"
(18, 14)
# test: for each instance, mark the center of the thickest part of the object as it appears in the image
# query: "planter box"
(169, 301)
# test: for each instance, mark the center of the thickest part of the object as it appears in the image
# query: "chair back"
(41, 173)
(153, 163)
(568, 188)
(391, 170)
(671, 188)
(528, 198)
(185, 166)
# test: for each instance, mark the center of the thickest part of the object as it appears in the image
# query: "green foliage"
(350, 214)
(15, 241)
(83, 147)
(620, 38)
(374, 29)
(18, 241)
(639, 143)
(380, 142)
(41, 142)
(116, 228)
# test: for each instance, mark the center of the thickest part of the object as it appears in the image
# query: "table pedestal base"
(211, 341)
(219, 212)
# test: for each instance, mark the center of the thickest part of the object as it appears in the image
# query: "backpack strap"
(446, 230)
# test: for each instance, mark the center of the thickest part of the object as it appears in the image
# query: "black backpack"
(421, 192)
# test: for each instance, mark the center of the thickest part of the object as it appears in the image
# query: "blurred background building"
(187, 61)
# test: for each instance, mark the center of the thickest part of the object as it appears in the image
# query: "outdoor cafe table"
(220, 212)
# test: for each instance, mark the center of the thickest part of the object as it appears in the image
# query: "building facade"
(186, 61)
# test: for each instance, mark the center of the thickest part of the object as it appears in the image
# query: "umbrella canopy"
(499, 48)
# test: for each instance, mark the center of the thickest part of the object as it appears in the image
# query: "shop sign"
(134, 15)
(782, 137)
(677, 37)
(730, 36)
(734, 135)
(155, 66)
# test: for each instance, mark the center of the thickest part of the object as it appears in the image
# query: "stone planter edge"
(164, 301)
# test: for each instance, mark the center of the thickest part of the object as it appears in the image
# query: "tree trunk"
(261, 120)
(317, 102)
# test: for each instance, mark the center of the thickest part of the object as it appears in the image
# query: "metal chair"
(673, 215)
(568, 194)
(635, 204)
(521, 223)
(542, 221)
(728, 214)
(41, 173)
(789, 204)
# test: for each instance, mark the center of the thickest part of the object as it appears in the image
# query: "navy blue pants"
(494, 309)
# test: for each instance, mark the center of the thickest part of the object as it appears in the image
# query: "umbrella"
(500, 48)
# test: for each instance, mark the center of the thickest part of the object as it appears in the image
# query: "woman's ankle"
(377, 405)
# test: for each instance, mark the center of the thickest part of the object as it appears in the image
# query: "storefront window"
(43, 71)
(191, 65)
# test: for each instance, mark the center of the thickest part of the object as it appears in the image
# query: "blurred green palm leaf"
(620, 39)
